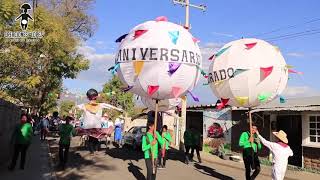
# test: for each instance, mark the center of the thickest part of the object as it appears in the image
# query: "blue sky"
(223, 21)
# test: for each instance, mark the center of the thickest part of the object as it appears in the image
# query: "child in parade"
(187, 136)
(66, 131)
(250, 146)
(150, 143)
(164, 149)
(280, 153)
(196, 143)
(22, 139)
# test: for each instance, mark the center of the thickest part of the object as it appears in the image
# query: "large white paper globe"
(146, 54)
(164, 105)
(248, 72)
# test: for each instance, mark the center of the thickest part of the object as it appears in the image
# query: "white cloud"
(300, 91)
(208, 50)
(295, 54)
(222, 34)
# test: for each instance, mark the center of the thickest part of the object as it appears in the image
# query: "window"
(314, 129)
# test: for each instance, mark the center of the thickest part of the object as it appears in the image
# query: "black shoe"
(10, 168)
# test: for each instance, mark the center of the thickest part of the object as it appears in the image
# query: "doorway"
(291, 124)
(195, 120)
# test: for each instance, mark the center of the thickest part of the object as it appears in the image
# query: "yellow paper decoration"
(277, 48)
(242, 100)
(217, 83)
(138, 65)
(289, 66)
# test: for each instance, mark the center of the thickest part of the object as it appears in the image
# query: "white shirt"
(91, 120)
(280, 157)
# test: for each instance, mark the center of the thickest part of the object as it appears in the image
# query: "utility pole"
(183, 119)
(187, 4)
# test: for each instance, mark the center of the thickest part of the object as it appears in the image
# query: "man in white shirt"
(280, 153)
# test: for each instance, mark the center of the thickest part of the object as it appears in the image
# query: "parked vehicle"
(133, 137)
(215, 131)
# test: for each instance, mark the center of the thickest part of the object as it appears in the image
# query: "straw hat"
(282, 136)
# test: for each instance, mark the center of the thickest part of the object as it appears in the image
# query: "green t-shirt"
(24, 133)
(66, 131)
(166, 139)
(146, 145)
(245, 143)
(187, 136)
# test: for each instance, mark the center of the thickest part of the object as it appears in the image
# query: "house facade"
(298, 117)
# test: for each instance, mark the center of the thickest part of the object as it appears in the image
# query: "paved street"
(126, 164)
(116, 163)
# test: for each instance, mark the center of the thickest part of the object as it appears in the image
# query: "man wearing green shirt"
(165, 147)
(250, 146)
(22, 139)
(187, 136)
(150, 148)
(66, 131)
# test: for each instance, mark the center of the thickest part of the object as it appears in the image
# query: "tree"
(65, 107)
(32, 73)
(113, 94)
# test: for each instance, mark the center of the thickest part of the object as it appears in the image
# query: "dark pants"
(63, 153)
(197, 148)
(19, 148)
(43, 134)
(163, 158)
(93, 144)
(187, 153)
(251, 161)
(150, 175)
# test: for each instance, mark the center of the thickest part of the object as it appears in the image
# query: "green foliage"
(31, 71)
(118, 97)
(65, 107)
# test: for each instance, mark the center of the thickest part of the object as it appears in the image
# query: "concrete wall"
(9, 118)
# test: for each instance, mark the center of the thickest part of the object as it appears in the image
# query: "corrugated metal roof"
(291, 104)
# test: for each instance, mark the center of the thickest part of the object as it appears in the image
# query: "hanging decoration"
(248, 72)
(159, 60)
(164, 105)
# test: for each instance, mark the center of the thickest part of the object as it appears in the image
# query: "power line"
(295, 35)
(287, 27)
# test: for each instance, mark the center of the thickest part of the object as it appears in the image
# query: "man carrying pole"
(250, 144)
(150, 147)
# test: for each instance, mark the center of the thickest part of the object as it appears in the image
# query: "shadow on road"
(124, 154)
(211, 172)
(135, 170)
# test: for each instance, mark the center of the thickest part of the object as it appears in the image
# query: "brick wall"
(9, 117)
(311, 157)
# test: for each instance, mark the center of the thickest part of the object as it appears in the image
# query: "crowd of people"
(155, 143)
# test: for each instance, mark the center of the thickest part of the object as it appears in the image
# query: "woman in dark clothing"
(22, 139)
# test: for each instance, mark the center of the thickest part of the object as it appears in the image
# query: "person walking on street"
(164, 149)
(150, 143)
(66, 131)
(44, 128)
(187, 136)
(118, 132)
(196, 144)
(280, 153)
(22, 139)
(250, 146)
